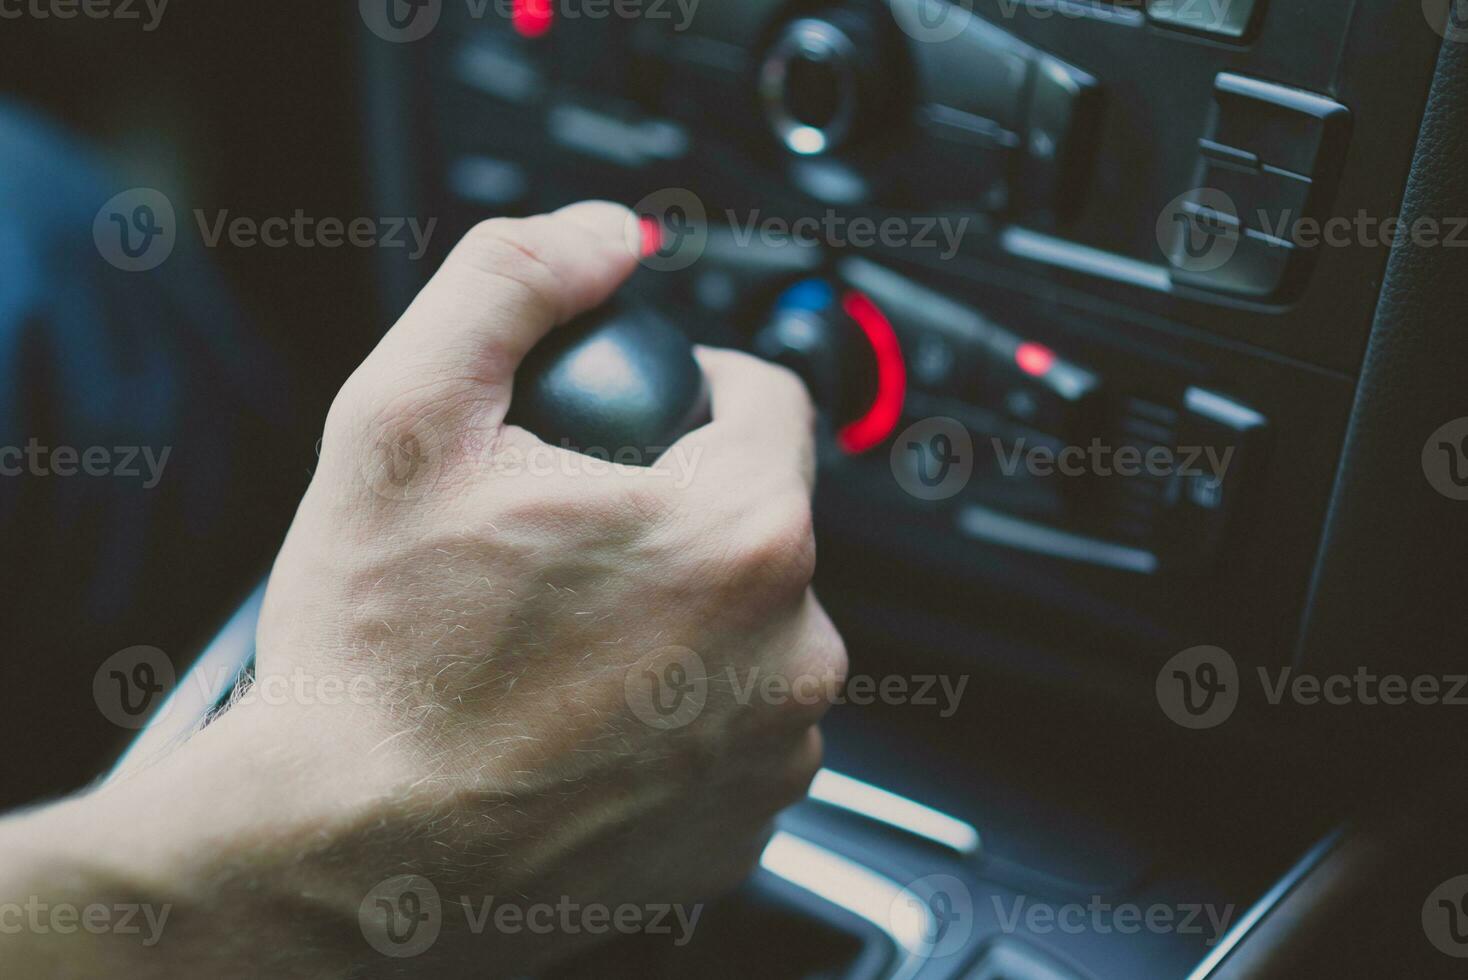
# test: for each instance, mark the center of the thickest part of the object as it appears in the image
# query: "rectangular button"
(1219, 256)
(1231, 18)
(1268, 200)
(1064, 114)
(1217, 441)
(962, 160)
(981, 70)
(1284, 127)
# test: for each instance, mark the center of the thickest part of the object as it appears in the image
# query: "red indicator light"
(532, 18)
(873, 428)
(1036, 360)
(652, 235)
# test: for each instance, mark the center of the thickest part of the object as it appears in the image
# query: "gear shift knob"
(620, 382)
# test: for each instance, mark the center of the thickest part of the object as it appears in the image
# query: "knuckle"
(801, 767)
(501, 248)
(779, 548)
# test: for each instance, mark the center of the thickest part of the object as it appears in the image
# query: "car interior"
(1197, 719)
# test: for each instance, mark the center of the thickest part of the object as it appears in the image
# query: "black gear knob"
(620, 383)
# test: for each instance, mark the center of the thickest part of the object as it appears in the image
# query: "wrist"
(246, 831)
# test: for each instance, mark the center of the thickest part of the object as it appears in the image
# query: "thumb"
(504, 287)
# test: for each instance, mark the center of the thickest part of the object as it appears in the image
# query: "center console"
(1083, 289)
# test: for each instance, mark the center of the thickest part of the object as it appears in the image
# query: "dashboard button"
(1232, 19)
(1265, 199)
(962, 160)
(1286, 128)
(1218, 442)
(1063, 119)
(1254, 265)
(981, 70)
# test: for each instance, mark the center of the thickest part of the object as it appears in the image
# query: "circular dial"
(827, 77)
(846, 351)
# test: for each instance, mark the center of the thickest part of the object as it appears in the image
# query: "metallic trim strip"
(1265, 905)
(859, 890)
(886, 807)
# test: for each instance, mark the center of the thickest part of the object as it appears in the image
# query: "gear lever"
(619, 382)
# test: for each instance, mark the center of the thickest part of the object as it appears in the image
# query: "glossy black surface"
(620, 383)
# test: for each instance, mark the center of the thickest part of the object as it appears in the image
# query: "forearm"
(209, 863)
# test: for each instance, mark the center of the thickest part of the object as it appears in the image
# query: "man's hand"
(556, 680)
